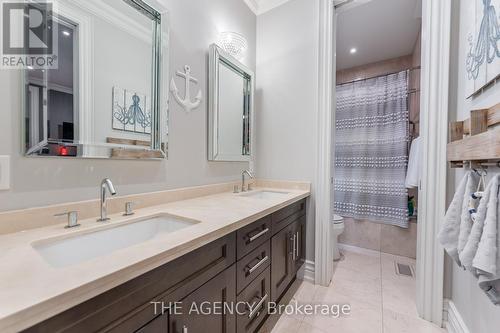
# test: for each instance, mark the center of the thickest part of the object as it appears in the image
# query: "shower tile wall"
(380, 237)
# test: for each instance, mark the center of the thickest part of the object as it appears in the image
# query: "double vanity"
(113, 267)
(207, 263)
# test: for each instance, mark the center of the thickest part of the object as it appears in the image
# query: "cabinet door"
(282, 265)
(299, 245)
(203, 310)
(157, 325)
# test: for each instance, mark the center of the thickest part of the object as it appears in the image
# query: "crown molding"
(259, 7)
(253, 5)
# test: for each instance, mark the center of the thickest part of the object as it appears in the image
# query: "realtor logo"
(28, 35)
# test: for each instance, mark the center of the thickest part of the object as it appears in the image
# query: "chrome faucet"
(106, 184)
(250, 174)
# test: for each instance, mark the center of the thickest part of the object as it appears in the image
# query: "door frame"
(436, 47)
(326, 118)
(436, 40)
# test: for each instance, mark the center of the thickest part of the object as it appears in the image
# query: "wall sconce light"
(233, 43)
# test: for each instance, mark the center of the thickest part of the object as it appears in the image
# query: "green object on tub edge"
(411, 205)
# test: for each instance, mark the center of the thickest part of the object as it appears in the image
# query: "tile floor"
(381, 301)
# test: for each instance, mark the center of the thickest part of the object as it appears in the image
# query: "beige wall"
(414, 98)
(374, 69)
(194, 25)
(287, 96)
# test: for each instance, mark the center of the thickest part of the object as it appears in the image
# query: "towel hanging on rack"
(487, 258)
(486, 211)
(451, 236)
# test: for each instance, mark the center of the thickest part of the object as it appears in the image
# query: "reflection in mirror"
(104, 98)
(51, 104)
(231, 90)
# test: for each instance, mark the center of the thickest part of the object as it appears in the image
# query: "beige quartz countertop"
(31, 290)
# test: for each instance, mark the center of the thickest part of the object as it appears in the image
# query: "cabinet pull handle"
(294, 251)
(256, 308)
(260, 234)
(297, 247)
(184, 329)
(257, 265)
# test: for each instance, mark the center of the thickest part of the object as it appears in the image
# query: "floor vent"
(404, 270)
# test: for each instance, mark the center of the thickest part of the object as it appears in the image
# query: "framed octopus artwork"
(131, 111)
(483, 44)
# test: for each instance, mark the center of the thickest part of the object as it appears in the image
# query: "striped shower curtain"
(371, 150)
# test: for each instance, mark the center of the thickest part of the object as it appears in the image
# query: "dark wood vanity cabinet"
(254, 265)
(288, 251)
(300, 239)
(203, 310)
(281, 265)
(250, 237)
(157, 325)
(258, 295)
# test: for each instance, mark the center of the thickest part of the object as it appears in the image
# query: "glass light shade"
(233, 43)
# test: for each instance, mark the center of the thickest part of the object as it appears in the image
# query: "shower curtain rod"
(382, 75)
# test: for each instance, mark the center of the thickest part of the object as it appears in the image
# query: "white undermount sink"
(82, 247)
(265, 195)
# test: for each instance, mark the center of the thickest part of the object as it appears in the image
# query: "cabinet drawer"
(258, 295)
(250, 237)
(287, 215)
(252, 265)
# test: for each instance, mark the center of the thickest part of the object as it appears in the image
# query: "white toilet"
(338, 229)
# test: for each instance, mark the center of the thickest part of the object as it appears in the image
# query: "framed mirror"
(107, 96)
(230, 111)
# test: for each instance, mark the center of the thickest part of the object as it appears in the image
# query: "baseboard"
(306, 272)
(357, 249)
(453, 321)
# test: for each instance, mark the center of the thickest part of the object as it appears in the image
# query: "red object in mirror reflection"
(63, 151)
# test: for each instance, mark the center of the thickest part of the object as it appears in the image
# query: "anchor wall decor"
(186, 102)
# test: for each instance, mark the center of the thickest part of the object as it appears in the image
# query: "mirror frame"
(217, 54)
(160, 35)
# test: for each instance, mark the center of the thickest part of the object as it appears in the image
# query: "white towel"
(487, 258)
(486, 210)
(414, 164)
(466, 219)
(451, 229)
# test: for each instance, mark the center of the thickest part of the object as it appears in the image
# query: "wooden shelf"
(482, 142)
(123, 153)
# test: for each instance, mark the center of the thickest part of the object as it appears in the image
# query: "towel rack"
(475, 140)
